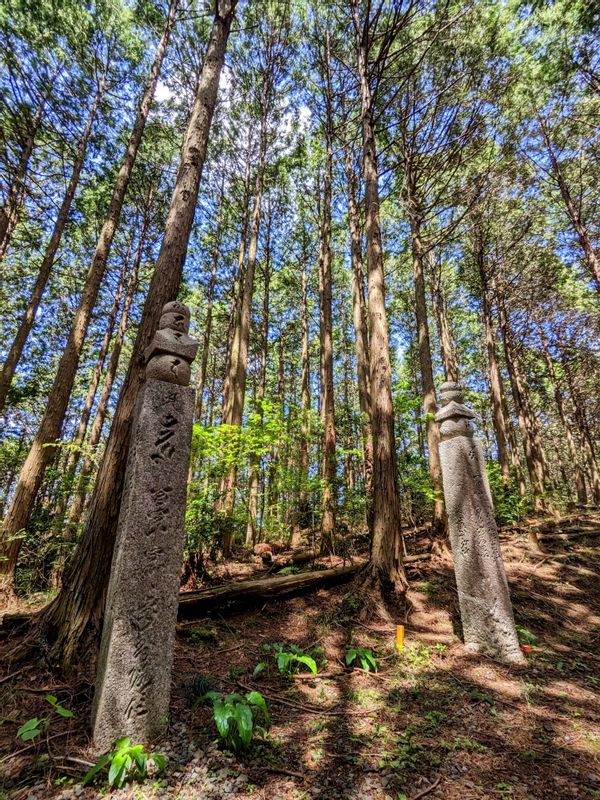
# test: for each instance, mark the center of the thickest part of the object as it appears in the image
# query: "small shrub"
(200, 685)
(291, 659)
(526, 637)
(33, 727)
(235, 718)
(363, 656)
(125, 762)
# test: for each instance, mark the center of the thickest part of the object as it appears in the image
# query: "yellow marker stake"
(399, 638)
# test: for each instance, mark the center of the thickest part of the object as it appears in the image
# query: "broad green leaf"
(64, 712)
(99, 765)
(30, 734)
(30, 725)
(121, 743)
(370, 660)
(116, 769)
(222, 714)
(257, 699)
(309, 662)
(245, 723)
(259, 668)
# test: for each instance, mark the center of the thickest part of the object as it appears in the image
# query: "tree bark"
(439, 528)
(328, 469)
(359, 318)
(233, 408)
(447, 347)
(42, 449)
(77, 611)
(494, 374)
(238, 282)
(303, 513)
(527, 424)
(580, 489)
(78, 504)
(28, 320)
(585, 435)
(251, 530)
(209, 308)
(385, 566)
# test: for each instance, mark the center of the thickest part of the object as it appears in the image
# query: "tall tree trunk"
(209, 308)
(527, 425)
(42, 449)
(439, 530)
(15, 198)
(447, 346)
(238, 282)
(26, 324)
(585, 436)
(233, 409)
(78, 609)
(251, 530)
(78, 504)
(385, 566)
(302, 520)
(494, 374)
(592, 261)
(359, 318)
(579, 474)
(328, 470)
(272, 476)
(76, 443)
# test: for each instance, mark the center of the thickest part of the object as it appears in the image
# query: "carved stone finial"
(171, 351)
(454, 417)
(451, 391)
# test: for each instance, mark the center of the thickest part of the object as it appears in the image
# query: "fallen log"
(295, 560)
(196, 603)
(567, 537)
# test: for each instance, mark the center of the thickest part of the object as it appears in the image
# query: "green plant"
(34, 726)
(259, 668)
(235, 718)
(125, 762)
(291, 659)
(417, 655)
(200, 685)
(363, 656)
(525, 636)
(406, 756)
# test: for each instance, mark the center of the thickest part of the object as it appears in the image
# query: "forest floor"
(433, 722)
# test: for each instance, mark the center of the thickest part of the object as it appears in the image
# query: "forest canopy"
(358, 202)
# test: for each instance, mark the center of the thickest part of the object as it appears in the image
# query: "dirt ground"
(433, 722)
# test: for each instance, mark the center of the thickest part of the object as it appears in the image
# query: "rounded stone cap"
(175, 307)
(451, 391)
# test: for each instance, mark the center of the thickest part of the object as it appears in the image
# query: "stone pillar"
(133, 681)
(485, 607)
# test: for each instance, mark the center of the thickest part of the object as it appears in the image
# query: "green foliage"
(419, 656)
(363, 656)
(509, 506)
(526, 636)
(199, 686)
(30, 729)
(291, 659)
(33, 727)
(235, 718)
(124, 763)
